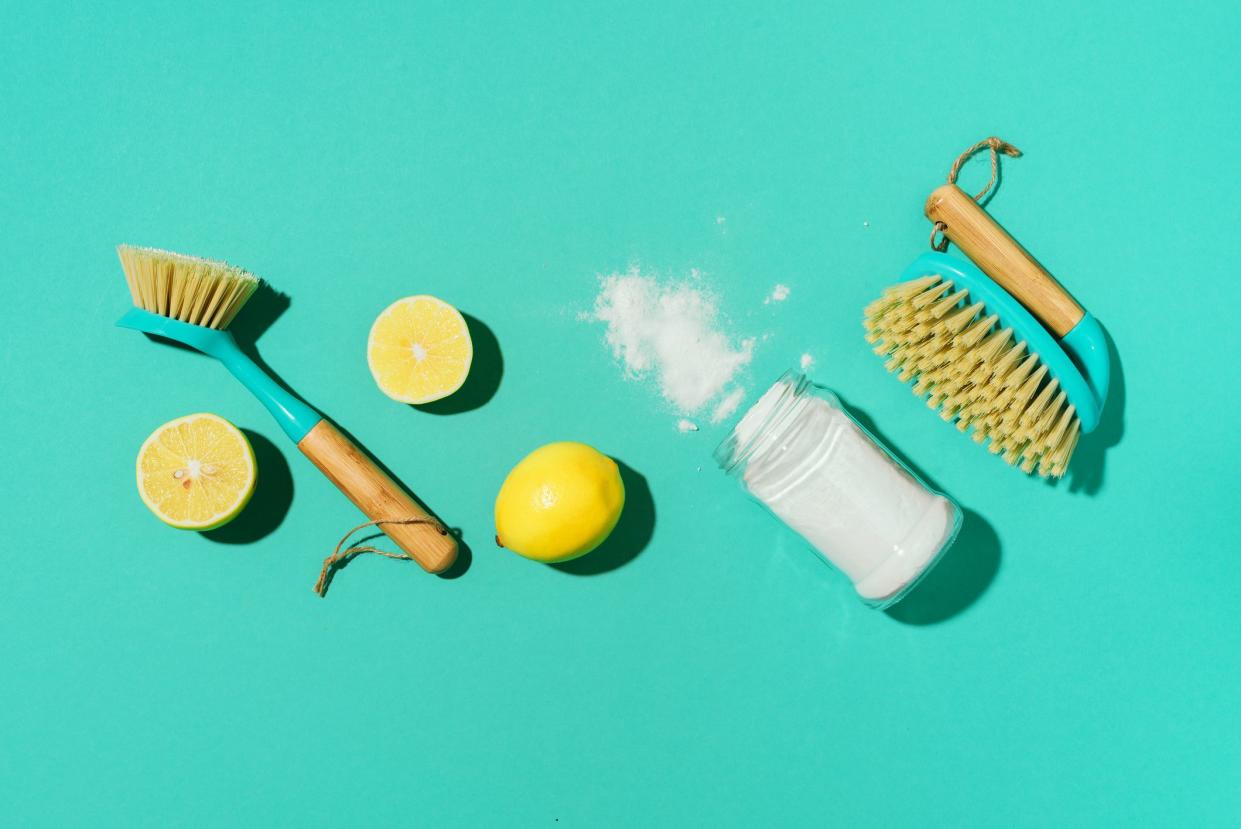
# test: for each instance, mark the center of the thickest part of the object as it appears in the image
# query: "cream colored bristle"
(198, 291)
(974, 373)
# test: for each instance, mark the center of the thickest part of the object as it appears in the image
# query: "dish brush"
(193, 301)
(999, 346)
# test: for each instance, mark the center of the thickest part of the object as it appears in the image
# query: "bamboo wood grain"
(377, 495)
(999, 256)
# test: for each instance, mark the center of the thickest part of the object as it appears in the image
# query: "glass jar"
(804, 457)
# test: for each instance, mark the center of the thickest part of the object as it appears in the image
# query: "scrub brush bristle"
(972, 371)
(199, 291)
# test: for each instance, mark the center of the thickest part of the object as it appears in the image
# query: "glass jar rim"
(734, 452)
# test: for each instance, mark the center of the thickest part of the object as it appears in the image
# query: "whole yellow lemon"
(560, 502)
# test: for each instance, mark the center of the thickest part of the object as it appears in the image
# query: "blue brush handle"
(294, 415)
(1087, 344)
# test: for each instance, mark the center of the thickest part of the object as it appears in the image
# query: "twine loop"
(997, 146)
(339, 556)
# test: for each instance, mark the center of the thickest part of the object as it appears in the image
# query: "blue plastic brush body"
(293, 414)
(1080, 361)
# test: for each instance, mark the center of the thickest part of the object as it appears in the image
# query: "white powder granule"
(684, 425)
(669, 331)
(778, 294)
(725, 408)
(806, 361)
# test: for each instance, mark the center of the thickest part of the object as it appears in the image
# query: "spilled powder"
(778, 294)
(684, 425)
(725, 408)
(806, 361)
(670, 331)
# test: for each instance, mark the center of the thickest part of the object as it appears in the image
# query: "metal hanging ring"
(937, 229)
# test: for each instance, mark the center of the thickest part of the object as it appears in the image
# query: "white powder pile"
(684, 425)
(807, 361)
(843, 493)
(670, 331)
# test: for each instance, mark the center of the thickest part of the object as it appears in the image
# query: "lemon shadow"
(483, 381)
(631, 535)
(273, 495)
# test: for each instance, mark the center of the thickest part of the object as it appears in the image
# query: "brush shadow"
(156, 338)
(464, 556)
(629, 538)
(966, 569)
(483, 381)
(262, 309)
(1086, 468)
(273, 495)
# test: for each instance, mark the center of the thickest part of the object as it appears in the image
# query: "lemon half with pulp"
(196, 472)
(419, 350)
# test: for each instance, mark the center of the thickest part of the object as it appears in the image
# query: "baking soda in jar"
(804, 457)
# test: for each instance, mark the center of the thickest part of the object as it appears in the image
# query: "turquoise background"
(1075, 661)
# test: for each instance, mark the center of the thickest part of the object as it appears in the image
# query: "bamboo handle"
(1000, 256)
(377, 495)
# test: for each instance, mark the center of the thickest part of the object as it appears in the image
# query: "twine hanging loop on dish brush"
(339, 557)
(997, 146)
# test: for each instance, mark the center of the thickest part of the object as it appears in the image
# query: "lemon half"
(419, 350)
(560, 502)
(196, 472)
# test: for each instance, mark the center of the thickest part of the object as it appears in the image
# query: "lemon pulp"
(196, 472)
(560, 502)
(419, 350)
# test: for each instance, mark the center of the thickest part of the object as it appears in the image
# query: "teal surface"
(1075, 660)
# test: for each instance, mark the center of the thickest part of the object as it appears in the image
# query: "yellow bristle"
(1052, 439)
(925, 298)
(992, 347)
(1041, 429)
(913, 286)
(973, 335)
(198, 291)
(939, 308)
(975, 375)
(1038, 406)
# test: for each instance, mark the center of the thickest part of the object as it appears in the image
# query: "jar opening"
(762, 424)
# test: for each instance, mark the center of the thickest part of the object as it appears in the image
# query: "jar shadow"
(956, 582)
(967, 568)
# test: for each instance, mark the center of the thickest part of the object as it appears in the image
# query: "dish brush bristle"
(973, 372)
(198, 291)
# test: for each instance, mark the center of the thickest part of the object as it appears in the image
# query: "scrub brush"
(192, 301)
(1003, 350)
